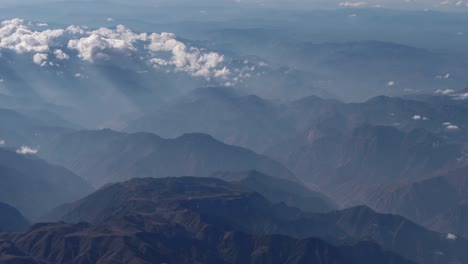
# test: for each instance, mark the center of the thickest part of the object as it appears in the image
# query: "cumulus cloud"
(391, 83)
(59, 54)
(450, 126)
(158, 50)
(416, 117)
(40, 59)
(2, 142)
(16, 36)
(25, 150)
(451, 236)
(187, 59)
(96, 47)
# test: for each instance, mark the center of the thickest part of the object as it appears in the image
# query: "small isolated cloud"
(109, 19)
(417, 117)
(60, 55)
(2, 142)
(391, 83)
(444, 92)
(452, 127)
(451, 236)
(25, 150)
(444, 76)
(40, 59)
(354, 4)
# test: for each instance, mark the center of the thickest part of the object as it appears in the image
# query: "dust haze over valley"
(240, 131)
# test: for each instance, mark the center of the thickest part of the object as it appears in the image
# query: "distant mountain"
(452, 221)
(202, 205)
(11, 219)
(368, 155)
(326, 142)
(438, 203)
(107, 156)
(353, 70)
(34, 186)
(279, 190)
(17, 129)
(244, 120)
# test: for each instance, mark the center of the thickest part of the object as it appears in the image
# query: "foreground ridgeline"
(207, 220)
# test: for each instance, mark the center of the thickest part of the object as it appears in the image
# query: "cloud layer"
(158, 50)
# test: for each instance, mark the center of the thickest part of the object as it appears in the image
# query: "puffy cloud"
(159, 50)
(75, 30)
(450, 126)
(391, 83)
(416, 117)
(187, 59)
(104, 42)
(25, 150)
(451, 236)
(16, 36)
(97, 47)
(40, 59)
(59, 54)
(2, 142)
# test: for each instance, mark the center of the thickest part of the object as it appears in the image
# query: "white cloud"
(416, 117)
(59, 54)
(451, 236)
(159, 50)
(391, 83)
(96, 47)
(2, 142)
(75, 30)
(40, 59)
(25, 150)
(187, 59)
(452, 127)
(14, 35)
(444, 92)
(354, 4)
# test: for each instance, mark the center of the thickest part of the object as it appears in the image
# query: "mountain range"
(35, 186)
(106, 156)
(205, 206)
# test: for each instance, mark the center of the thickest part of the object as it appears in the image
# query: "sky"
(448, 5)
